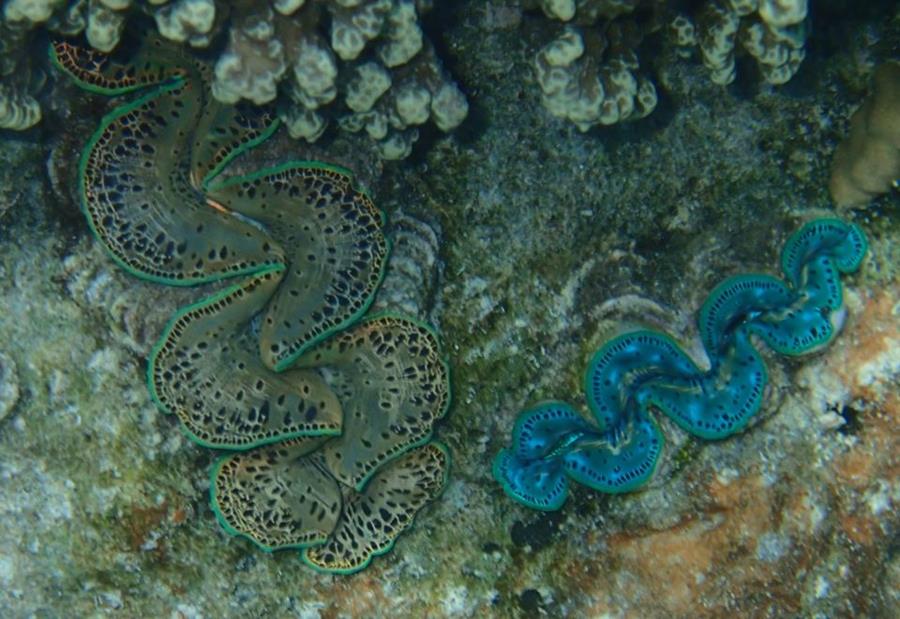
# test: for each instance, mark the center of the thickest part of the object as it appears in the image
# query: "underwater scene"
(327, 309)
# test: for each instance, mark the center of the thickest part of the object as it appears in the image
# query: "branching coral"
(867, 162)
(330, 415)
(644, 371)
(361, 65)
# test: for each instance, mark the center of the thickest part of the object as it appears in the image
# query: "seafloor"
(526, 243)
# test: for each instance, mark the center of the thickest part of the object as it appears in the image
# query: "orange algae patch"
(871, 335)
(856, 468)
(178, 516)
(687, 554)
(147, 526)
(860, 529)
(707, 562)
(865, 365)
(141, 524)
(364, 596)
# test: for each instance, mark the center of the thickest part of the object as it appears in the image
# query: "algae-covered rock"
(546, 243)
(9, 385)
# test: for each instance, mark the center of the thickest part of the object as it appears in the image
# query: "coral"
(30, 10)
(585, 10)
(643, 370)
(187, 20)
(780, 13)
(588, 86)
(102, 21)
(773, 32)
(401, 86)
(18, 108)
(867, 162)
(252, 64)
(361, 65)
(590, 74)
(327, 411)
(387, 95)
(104, 25)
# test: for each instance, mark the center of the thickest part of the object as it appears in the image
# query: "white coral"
(251, 65)
(187, 20)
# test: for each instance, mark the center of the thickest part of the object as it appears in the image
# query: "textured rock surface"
(9, 385)
(539, 226)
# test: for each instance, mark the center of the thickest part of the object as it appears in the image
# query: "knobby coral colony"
(328, 414)
(643, 370)
(362, 66)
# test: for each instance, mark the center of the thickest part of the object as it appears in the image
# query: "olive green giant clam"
(337, 251)
(206, 369)
(374, 517)
(328, 415)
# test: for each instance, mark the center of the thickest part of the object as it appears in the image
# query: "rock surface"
(103, 508)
